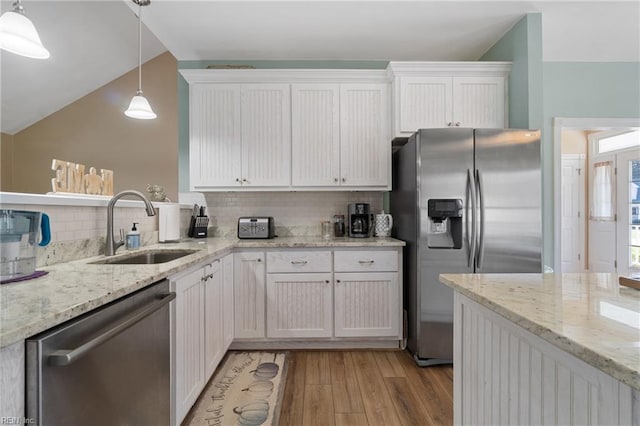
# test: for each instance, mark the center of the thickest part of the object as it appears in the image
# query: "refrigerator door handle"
(471, 238)
(482, 220)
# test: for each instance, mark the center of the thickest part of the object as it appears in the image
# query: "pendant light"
(18, 34)
(139, 107)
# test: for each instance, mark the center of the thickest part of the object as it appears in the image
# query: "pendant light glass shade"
(18, 35)
(139, 106)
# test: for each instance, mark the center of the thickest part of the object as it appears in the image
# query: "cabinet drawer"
(365, 260)
(298, 261)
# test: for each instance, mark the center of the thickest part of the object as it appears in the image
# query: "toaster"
(256, 227)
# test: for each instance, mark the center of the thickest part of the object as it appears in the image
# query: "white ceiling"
(93, 42)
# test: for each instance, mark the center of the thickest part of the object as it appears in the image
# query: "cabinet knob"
(335, 180)
(237, 179)
(245, 181)
(457, 124)
(338, 281)
(449, 124)
(327, 281)
(344, 179)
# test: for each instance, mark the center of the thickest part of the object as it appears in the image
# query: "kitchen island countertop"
(73, 288)
(589, 316)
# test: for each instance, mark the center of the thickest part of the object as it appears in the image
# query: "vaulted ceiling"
(93, 42)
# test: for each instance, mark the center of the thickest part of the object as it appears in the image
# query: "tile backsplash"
(295, 213)
(79, 232)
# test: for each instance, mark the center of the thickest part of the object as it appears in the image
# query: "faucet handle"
(122, 235)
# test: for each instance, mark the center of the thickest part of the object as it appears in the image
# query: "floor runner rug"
(246, 390)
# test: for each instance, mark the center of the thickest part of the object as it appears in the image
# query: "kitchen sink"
(148, 257)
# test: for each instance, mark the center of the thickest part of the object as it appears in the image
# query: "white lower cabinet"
(199, 331)
(299, 305)
(249, 295)
(213, 319)
(227, 297)
(366, 304)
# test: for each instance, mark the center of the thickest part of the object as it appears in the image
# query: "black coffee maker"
(359, 220)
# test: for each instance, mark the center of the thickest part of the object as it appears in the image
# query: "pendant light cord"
(139, 49)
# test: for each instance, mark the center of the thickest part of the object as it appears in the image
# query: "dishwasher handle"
(63, 357)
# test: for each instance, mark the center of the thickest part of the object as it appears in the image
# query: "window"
(618, 142)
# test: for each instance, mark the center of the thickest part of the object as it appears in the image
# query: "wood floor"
(365, 388)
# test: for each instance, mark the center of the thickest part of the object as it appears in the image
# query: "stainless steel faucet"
(113, 245)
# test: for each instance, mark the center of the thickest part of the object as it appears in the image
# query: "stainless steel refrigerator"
(465, 201)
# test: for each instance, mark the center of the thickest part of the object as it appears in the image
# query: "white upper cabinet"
(214, 135)
(448, 94)
(270, 130)
(315, 139)
(239, 135)
(266, 135)
(340, 135)
(365, 144)
(479, 102)
(425, 102)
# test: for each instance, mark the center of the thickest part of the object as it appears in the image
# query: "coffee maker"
(359, 220)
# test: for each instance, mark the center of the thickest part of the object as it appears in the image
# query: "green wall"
(183, 96)
(522, 46)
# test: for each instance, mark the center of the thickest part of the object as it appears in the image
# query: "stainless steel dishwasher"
(109, 367)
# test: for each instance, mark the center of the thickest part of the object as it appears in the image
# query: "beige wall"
(94, 131)
(574, 142)
(6, 162)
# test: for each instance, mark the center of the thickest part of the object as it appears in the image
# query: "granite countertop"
(73, 288)
(587, 315)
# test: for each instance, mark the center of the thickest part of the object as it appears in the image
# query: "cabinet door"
(213, 318)
(315, 134)
(478, 102)
(189, 333)
(299, 305)
(227, 297)
(425, 102)
(249, 299)
(365, 144)
(214, 135)
(366, 304)
(266, 135)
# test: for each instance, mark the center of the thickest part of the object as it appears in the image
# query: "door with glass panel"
(628, 234)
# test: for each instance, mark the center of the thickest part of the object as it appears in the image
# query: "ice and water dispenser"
(445, 223)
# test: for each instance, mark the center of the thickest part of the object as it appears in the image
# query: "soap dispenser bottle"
(133, 238)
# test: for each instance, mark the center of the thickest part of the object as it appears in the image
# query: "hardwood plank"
(437, 374)
(377, 401)
(346, 391)
(318, 371)
(351, 419)
(388, 364)
(408, 406)
(318, 405)
(292, 407)
(438, 405)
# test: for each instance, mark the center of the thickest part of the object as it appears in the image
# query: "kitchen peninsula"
(545, 348)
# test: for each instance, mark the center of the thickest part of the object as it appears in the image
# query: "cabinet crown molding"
(284, 76)
(461, 68)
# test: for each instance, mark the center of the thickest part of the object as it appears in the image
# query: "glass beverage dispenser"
(19, 231)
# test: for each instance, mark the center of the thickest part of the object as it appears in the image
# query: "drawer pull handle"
(366, 262)
(299, 262)
(252, 260)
